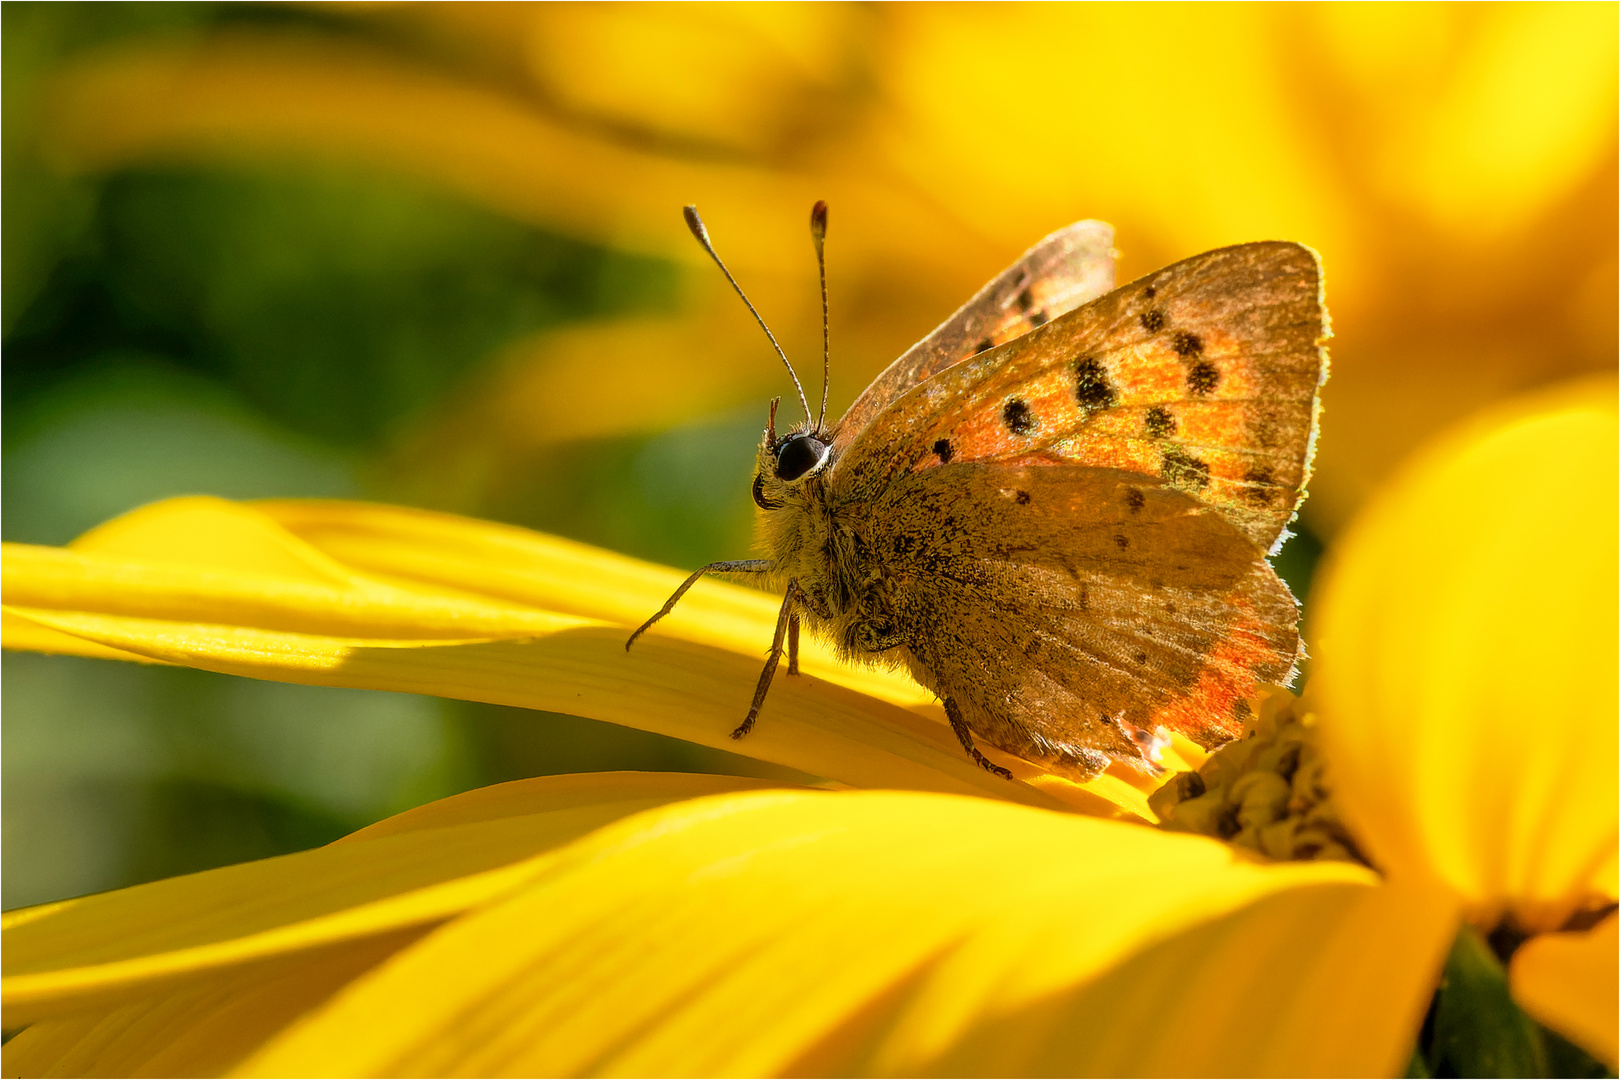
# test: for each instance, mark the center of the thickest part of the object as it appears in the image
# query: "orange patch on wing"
(1147, 373)
(1016, 422)
(1207, 714)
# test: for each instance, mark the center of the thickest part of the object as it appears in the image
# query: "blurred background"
(432, 254)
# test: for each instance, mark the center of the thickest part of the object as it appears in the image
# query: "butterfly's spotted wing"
(1099, 496)
(1057, 275)
(1202, 375)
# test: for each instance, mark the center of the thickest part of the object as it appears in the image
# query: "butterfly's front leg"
(786, 621)
(735, 566)
(793, 643)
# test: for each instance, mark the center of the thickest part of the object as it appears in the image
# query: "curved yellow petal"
(347, 594)
(1571, 983)
(203, 1027)
(1466, 661)
(548, 794)
(202, 531)
(882, 931)
(421, 868)
(669, 686)
(65, 580)
(25, 635)
(1321, 981)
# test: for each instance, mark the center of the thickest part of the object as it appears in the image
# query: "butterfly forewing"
(1203, 376)
(1057, 275)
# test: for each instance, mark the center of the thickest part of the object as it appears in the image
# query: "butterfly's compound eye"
(800, 456)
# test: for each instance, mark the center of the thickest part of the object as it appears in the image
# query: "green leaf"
(1478, 1030)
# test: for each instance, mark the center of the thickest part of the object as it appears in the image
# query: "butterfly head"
(786, 461)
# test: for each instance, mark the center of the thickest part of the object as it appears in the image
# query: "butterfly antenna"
(699, 231)
(818, 234)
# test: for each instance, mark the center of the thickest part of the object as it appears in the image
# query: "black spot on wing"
(1026, 299)
(1159, 423)
(1091, 387)
(1183, 470)
(1036, 318)
(1203, 378)
(1150, 292)
(943, 449)
(1016, 416)
(1122, 542)
(1135, 500)
(984, 344)
(1152, 320)
(1022, 498)
(1186, 343)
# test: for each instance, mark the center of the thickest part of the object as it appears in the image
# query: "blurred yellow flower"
(1455, 165)
(951, 924)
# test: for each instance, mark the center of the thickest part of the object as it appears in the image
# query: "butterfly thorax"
(813, 537)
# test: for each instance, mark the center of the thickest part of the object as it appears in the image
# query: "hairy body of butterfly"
(1055, 510)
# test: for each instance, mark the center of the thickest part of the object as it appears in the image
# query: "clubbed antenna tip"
(695, 223)
(818, 234)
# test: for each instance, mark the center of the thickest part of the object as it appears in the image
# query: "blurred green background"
(432, 254)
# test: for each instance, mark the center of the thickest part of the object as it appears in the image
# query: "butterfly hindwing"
(1203, 375)
(1057, 275)
(1065, 608)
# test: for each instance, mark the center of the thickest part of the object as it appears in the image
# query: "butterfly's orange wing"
(1057, 275)
(1203, 375)
(1174, 416)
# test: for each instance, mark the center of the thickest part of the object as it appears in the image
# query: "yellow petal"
(1466, 661)
(25, 635)
(345, 594)
(428, 865)
(1309, 982)
(1569, 982)
(202, 1027)
(668, 686)
(40, 577)
(202, 531)
(780, 932)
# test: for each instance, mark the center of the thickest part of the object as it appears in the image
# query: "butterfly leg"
(736, 566)
(793, 643)
(959, 726)
(784, 621)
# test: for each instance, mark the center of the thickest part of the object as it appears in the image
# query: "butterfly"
(1056, 509)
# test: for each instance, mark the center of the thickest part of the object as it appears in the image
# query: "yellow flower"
(941, 921)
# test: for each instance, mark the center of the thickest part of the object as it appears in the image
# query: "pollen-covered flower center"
(1266, 790)
(799, 455)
